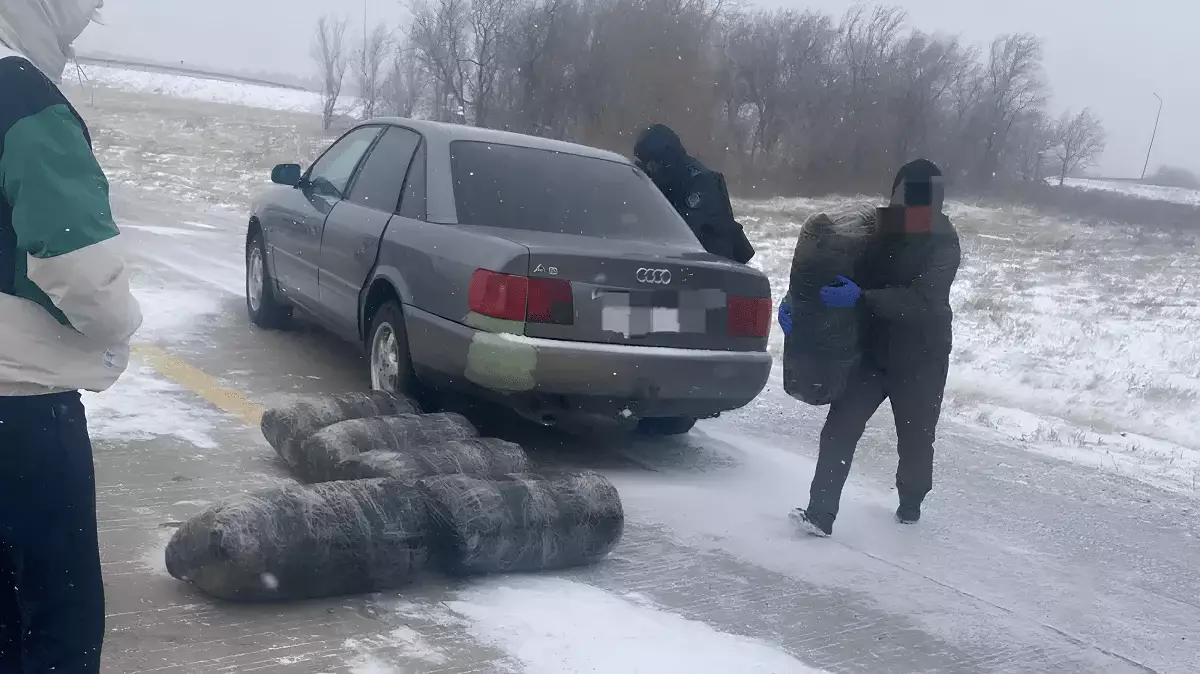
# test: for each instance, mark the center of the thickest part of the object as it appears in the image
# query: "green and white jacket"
(66, 310)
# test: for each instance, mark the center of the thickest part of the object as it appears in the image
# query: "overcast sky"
(1112, 55)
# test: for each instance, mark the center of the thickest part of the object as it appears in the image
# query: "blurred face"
(651, 168)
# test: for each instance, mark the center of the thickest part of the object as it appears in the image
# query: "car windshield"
(546, 191)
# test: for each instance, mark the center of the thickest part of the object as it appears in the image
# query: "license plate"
(631, 321)
(644, 312)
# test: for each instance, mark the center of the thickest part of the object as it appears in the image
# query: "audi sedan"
(552, 277)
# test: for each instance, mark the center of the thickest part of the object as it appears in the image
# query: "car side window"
(381, 178)
(330, 175)
(412, 204)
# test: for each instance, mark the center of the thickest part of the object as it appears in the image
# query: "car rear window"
(546, 191)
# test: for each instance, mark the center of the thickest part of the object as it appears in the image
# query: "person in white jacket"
(66, 318)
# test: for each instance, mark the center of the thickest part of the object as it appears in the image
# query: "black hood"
(919, 183)
(661, 144)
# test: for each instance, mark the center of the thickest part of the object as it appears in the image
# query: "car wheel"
(388, 355)
(665, 425)
(262, 305)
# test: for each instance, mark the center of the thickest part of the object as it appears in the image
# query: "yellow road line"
(199, 382)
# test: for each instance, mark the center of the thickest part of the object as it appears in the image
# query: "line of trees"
(782, 100)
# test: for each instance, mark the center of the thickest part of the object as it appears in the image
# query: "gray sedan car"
(550, 276)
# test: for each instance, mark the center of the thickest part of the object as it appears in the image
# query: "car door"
(294, 230)
(350, 240)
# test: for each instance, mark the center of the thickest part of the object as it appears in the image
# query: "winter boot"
(909, 511)
(815, 524)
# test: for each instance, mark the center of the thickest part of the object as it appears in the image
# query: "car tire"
(389, 361)
(262, 305)
(663, 426)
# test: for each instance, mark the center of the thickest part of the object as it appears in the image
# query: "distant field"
(1177, 195)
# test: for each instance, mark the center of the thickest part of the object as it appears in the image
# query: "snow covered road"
(1023, 563)
(1027, 561)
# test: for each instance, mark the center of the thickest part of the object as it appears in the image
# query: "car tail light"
(749, 316)
(550, 301)
(517, 298)
(498, 295)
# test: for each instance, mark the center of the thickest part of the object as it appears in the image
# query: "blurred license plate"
(639, 320)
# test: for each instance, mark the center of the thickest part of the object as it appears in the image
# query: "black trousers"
(51, 590)
(915, 391)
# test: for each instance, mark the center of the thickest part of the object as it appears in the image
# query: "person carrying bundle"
(901, 293)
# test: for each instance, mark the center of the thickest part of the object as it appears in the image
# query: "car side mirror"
(286, 174)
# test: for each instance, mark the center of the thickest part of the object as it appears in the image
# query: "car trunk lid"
(634, 292)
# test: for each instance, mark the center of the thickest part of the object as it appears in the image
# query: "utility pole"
(1152, 135)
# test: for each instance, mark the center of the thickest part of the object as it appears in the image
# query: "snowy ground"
(1025, 562)
(1178, 195)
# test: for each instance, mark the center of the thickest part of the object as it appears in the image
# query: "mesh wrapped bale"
(522, 522)
(287, 425)
(823, 348)
(303, 542)
(322, 456)
(476, 457)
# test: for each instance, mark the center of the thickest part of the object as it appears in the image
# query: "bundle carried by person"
(822, 350)
(303, 542)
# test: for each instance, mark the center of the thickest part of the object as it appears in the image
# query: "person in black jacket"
(698, 193)
(902, 291)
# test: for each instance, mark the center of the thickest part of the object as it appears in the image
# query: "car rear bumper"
(600, 378)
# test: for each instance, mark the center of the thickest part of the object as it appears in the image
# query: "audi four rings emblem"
(659, 276)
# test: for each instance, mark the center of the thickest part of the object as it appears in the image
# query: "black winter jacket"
(697, 193)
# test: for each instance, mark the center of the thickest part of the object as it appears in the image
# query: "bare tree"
(404, 84)
(1081, 140)
(1013, 84)
(799, 99)
(439, 37)
(368, 62)
(1031, 140)
(329, 51)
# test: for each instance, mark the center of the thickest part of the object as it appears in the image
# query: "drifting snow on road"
(561, 627)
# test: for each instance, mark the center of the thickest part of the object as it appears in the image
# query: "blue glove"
(785, 317)
(842, 295)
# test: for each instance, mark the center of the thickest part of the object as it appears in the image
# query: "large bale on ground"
(322, 455)
(823, 348)
(288, 424)
(475, 457)
(522, 522)
(301, 542)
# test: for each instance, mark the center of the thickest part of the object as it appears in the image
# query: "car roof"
(444, 134)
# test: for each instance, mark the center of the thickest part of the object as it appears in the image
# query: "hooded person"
(66, 318)
(901, 290)
(696, 192)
